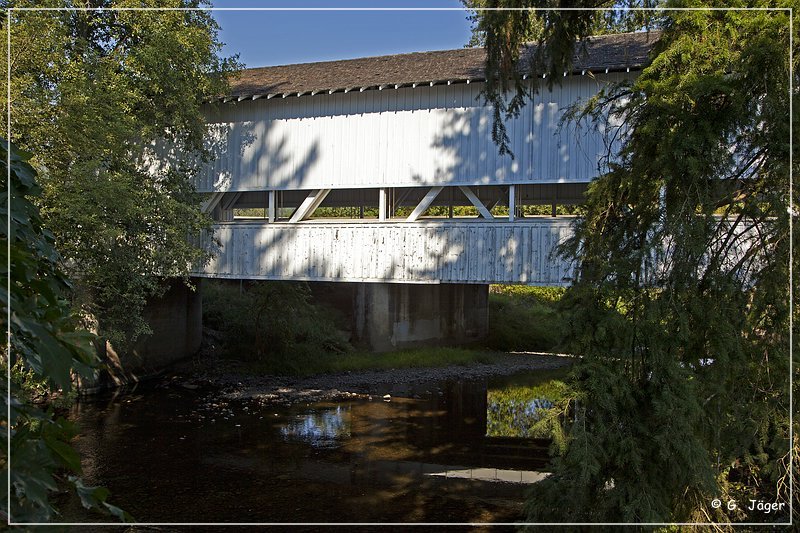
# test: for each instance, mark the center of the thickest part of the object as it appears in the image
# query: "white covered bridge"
(382, 172)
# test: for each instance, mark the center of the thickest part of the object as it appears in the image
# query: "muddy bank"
(231, 384)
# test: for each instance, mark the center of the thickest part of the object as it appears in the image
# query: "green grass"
(327, 363)
(525, 318)
(524, 293)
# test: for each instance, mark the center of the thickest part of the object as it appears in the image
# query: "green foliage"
(530, 294)
(600, 22)
(525, 318)
(45, 349)
(251, 212)
(679, 306)
(35, 388)
(506, 33)
(94, 93)
(536, 411)
(440, 211)
(271, 322)
(345, 212)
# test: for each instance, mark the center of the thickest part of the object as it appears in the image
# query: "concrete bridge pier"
(389, 316)
(176, 321)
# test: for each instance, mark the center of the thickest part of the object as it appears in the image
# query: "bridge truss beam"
(426, 201)
(309, 205)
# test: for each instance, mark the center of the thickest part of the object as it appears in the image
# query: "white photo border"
(792, 209)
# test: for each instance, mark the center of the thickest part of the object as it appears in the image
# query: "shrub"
(273, 322)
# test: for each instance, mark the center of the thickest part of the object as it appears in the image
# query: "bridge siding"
(424, 252)
(423, 136)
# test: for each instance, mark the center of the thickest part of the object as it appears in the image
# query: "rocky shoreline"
(231, 385)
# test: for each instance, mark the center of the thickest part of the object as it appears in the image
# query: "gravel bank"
(232, 385)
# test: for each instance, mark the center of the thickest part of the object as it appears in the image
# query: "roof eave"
(239, 97)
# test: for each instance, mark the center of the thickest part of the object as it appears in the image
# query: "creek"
(456, 451)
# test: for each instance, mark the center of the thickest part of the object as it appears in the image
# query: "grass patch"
(331, 363)
(525, 318)
(525, 293)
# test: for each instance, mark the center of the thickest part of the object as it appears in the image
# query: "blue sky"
(263, 38)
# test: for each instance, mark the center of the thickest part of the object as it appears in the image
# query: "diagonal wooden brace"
(476, 202)
(424, 204)
(309, 205)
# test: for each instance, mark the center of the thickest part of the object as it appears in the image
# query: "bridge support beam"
(389, 316)
(309, 205)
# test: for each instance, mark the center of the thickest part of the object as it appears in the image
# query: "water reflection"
(519, 409)
(459, 452)
(322, 428)
(494, 474)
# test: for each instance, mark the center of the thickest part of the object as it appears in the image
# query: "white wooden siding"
(436, 135)
(422, 252)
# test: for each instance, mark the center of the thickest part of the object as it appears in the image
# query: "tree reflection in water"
(322, 428)
(524, 410)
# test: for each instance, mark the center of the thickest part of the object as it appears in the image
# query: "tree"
(679, 306)
(46, 346)
(507, 34)
(93, 94)
(530, 27)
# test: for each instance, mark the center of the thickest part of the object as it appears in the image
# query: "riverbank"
(231, 380)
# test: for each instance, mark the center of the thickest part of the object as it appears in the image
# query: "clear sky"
(263, 38)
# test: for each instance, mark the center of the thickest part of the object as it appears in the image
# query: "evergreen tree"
(680, 302)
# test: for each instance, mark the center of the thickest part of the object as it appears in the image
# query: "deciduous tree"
(46, 346)
(92, 91)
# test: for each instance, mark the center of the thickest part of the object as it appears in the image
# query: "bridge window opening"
(403, 203)
(445, 211)
(348, 204)
(451, 202)
(499, 210)
(550, 199)
(548, 210)
(250, 212)
(351, 212)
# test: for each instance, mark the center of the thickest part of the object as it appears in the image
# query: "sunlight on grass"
(525, 318)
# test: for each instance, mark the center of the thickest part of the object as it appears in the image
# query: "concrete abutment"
(389, 316)
(176, 321)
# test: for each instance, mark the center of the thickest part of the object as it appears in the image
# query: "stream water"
(443, 452)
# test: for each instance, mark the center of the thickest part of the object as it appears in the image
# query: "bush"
(273, 322)
(45, 348)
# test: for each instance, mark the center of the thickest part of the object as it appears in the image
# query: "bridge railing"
(429, 251)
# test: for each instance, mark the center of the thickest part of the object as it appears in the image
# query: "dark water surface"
(459, 452)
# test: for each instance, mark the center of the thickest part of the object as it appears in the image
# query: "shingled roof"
(609, 53)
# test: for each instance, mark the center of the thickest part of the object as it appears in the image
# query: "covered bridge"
(381, 172)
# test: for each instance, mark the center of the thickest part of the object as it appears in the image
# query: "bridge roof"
(606, 52)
